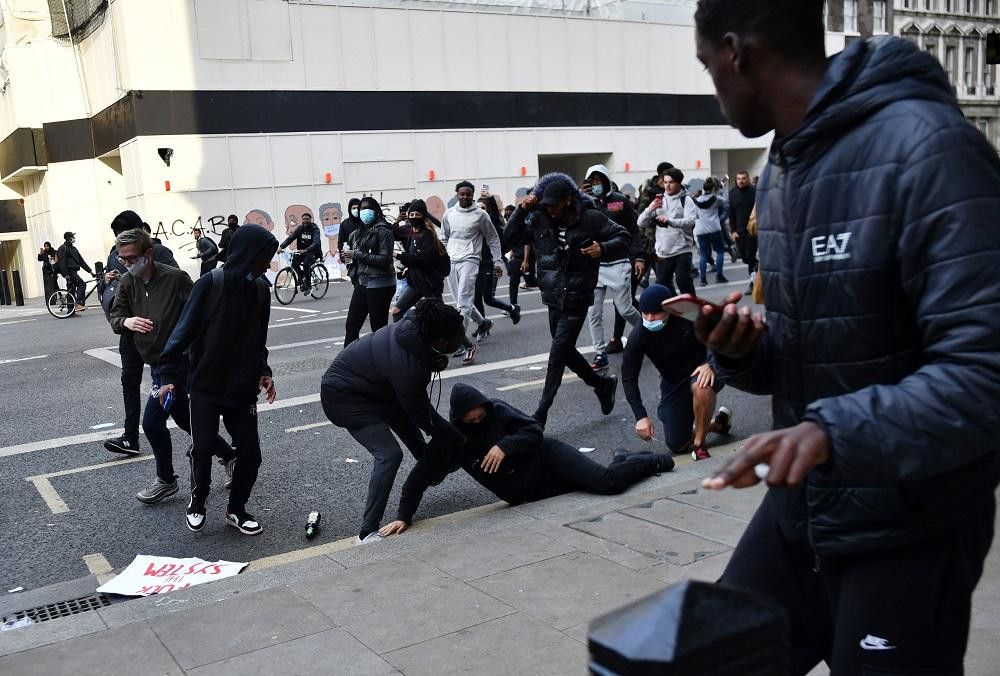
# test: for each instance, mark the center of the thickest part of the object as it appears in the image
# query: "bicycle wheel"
(285, 286)
(320, 281)
(62, 304)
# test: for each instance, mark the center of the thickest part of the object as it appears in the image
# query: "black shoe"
(704, 282)
(515, 314)
(606, 394)
(600, 362)
(719, 279)
(483, 332)
(664, 463)
(195, 517)
(122, 445)
(243, 522)
(724, 419)
(615, 346)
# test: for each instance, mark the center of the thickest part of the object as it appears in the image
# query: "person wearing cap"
(70, 262)
(688, 385)
(570, 237)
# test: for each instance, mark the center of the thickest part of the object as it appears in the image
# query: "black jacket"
(567, 277)
(70, 260)
(373, 257)
(307, 238)
(225, 239)
(881, 303)
(224, 328)
(420, 257)
(349, 224)
(381, 372)
(45, 258)
(741, 201)
(521, 476)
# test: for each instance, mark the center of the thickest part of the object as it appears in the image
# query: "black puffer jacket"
(567, 277)
(878, 238)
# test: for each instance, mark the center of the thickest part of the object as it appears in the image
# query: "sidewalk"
(496, 590)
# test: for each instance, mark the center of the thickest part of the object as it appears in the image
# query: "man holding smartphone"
(674, 215)
(880, 349)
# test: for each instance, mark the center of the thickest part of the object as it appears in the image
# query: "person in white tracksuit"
(464, 229)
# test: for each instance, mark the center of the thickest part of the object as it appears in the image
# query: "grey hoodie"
(463, 232)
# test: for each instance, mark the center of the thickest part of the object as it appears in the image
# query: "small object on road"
(587, 450)
(101, 426)
(15, 590)
(350, 460)
(312, 524)
(13, 623)
(761, 469)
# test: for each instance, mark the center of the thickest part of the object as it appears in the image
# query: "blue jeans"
(706, 243)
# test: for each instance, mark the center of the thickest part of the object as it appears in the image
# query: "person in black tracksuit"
(424, 258)
(222, 333)
(370, 255)
(232, 223)
(207, 251)
(132, 364)
(70, 263)
(308, 246)
(47, 257)
(742, 199)
(505, 451)
(376, 386)
(570, 236)
(348, 226)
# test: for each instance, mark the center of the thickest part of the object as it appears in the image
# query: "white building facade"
(189, 110)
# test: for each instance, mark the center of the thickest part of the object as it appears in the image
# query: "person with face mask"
(505, 452)
(221, 342)
(70, 263)
(688, 386)
(424, 259)
(370, 249)
(377, 386)
(226, 238)
(147, 306)
(47, 257)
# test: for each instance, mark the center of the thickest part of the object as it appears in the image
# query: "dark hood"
(581, 200)
(464, 398)
(248, 244)
(126, 220)
(866, 77)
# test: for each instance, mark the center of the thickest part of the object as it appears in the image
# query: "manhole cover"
(53, 611)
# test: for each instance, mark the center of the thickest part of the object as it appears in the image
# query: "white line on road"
(11, 361)
(19, 321)
(304, 343)
(302, 428)
(99, 567)
(295, 309)
(532, 383)
(49, 495)
(105, 354)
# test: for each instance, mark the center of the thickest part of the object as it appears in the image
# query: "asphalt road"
(64, 392)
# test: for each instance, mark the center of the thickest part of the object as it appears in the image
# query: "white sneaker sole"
(243, 530)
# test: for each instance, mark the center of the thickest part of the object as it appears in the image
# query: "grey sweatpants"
(462, 281)
(614, 279)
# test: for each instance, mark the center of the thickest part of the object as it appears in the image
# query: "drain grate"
(53, 611)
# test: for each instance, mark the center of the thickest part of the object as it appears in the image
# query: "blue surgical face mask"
(354, 212)
(654, 324)
(367, 216)
(597, 189)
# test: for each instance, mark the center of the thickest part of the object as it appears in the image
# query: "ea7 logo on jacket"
(831, 247)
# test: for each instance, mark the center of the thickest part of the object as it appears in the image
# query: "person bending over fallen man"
(506, 452)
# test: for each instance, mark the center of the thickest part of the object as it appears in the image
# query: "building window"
(928, 4)
(988, 7)
(984, 126)
(950, 54)
(967, 75)
(850, 16)
(948, 5)
(970, 6)
(878, 12)
(932, 50)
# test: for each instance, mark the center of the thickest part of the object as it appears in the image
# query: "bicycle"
(62, 303)
(287, 283)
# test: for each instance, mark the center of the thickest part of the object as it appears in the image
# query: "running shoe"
(483, 332)
(369, 539)
(720, 279)
(122, 445)
(600, 362)
(195, 517)
(244, 522)
(700, 452)
(724, 419)
(615, 346)
(460, 352)
(470, 355)
(606, 393)
(156, 491)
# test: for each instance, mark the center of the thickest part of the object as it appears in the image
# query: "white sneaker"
(370, 538)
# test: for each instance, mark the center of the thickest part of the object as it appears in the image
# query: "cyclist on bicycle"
(308, 244)
(70, 262)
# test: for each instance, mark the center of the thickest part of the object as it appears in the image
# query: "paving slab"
(229, 628)
(556, 528)
(491, 553)
(123, 651)
(331, 651)
(568, 590)
(706, 570)
(53, 631)
(741, 503)
(393, 604)
(516, 644)
(695, 520)
(983, 654)
(666, 544)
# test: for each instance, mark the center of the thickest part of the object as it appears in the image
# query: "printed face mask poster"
(148, 575)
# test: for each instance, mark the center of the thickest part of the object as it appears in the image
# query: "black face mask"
(415, 222)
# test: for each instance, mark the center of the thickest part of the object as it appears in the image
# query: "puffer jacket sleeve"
(613, 238)
(940, 417)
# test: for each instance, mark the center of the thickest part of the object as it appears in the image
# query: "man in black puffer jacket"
(570, 237)
(878, 219)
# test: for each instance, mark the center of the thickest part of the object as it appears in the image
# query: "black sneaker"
(157, 490)
(244, 522)
(704, 282)
(195, 517)
(122, 445)
(724, 419)
(719, 279)
(664, 463)
(483, 332)
(615, 346)
(600, 362)
(515, 314)
(606, 394)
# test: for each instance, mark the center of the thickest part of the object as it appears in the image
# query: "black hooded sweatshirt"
(521, 477)
(225, 328)
(349, 224)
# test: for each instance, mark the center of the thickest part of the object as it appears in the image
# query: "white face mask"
(138, 267)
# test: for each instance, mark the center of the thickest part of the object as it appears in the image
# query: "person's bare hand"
(110, 276)
(138, 324)
(594, 250)
(640, 268)
(736, 236)
(644, 428)
(662, 219)
(706, 376)
(491, 463)
(161, 394)
(790, 453)
(735, 333)
(267, 385)
(393, 528)
(498, 271)
(529, 202)
(525, 267)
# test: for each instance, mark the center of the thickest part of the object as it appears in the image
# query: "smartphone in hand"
(689, 307)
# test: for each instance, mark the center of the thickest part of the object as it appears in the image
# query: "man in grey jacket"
(464, 228)
(880, 349)
(207, 251)
(672, 216)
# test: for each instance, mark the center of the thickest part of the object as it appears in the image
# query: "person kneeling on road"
(147, 305)
(506, 452)
(376, 386)
(688, 386)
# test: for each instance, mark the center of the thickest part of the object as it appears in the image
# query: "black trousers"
(131, 382)
(50, 282)
(564, 326)
(371, 304)
(77, 287)
(302, 263)
(746, 246)
(486, 287)
(241, 422)
(903, 610)
(678, 267)
(570, 470)
(514, 275)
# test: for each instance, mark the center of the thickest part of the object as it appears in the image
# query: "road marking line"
(88, 468)
(105, 354)
(289, 346)
(46, 444)
(11, 361)
(294, 309)
(49, 495)
(99, 566)
(569, 377)
(301, 428)
(19, 321)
